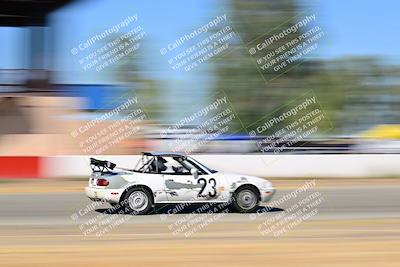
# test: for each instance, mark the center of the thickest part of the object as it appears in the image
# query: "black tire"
(137, 201)
(245, 199)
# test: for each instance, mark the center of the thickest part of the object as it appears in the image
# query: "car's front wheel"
(138, 201)
(245, 199)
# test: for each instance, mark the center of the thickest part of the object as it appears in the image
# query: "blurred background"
(110, 79)
(48, 90)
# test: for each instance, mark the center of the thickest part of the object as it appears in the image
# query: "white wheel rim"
(138, 201)
(246, 199)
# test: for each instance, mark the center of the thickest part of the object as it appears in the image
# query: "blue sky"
(163, 21)
(354, 27)
(360, 27)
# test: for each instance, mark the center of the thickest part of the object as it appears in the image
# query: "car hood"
(239, 179)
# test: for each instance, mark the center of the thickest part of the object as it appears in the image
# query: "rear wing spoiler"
(102, 166)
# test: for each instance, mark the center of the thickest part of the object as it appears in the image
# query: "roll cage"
(153, 163)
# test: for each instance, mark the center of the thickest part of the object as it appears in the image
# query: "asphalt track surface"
(356, 226)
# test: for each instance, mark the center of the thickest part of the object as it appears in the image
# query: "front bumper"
(100, 194)
(267, 194)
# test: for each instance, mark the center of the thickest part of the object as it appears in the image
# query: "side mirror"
(194, 172)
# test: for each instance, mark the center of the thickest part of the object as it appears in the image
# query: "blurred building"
(36, 115)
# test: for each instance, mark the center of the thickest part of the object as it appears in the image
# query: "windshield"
(203, 166)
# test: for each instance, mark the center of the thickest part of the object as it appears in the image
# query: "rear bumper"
(100, 194)
(267, 194)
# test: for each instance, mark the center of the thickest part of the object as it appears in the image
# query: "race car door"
(189, 188)
(182, 187)
(199, 186)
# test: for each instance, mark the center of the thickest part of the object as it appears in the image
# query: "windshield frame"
(201, 165)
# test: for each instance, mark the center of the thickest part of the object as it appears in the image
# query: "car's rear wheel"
(138, 201)
(245, 199)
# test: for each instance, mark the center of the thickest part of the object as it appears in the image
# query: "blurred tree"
(355, 93)
(131, 70)
(249, 90)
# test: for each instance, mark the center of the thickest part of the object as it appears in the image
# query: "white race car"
(173, 178)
